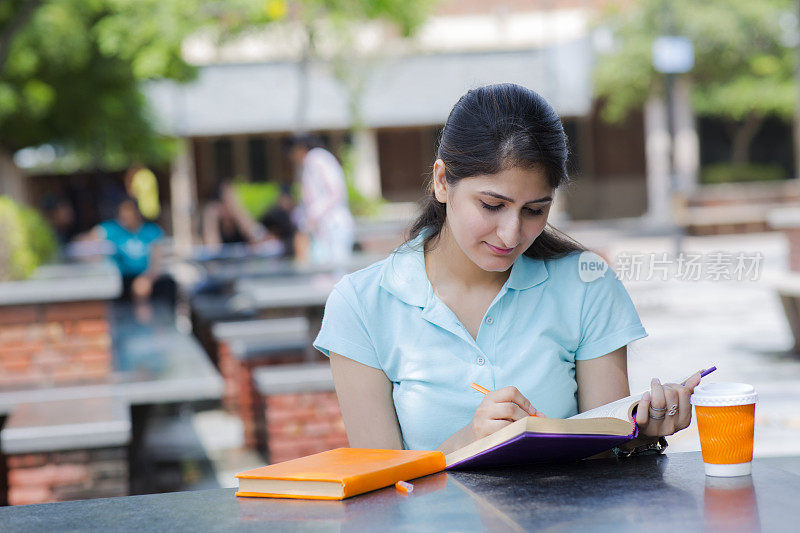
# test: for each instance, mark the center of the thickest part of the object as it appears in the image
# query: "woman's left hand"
(666, 408)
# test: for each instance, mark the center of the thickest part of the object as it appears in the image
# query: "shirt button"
(489, 320)
(480, 360)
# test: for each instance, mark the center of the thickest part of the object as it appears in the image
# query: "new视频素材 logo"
(591, 266)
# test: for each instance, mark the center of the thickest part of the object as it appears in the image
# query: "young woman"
(486, 292)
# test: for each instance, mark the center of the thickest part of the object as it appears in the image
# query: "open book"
(532, 439)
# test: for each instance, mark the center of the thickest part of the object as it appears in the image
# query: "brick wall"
(54, 343)
(67, 475)
(301, 424)
(240, 396)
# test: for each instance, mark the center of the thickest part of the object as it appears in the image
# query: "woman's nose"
(508, 231)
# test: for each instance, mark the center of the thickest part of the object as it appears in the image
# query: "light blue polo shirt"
(543, 319)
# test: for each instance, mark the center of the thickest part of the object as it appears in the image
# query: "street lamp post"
(672, 55)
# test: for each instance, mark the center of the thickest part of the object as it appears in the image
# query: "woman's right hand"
(500, 408)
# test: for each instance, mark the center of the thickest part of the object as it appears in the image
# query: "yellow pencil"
(480, 389)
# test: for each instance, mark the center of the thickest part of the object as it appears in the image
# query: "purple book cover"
(529, 448)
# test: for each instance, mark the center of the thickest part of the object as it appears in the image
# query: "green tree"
(70, 70)
(340, 20)
(745, 58)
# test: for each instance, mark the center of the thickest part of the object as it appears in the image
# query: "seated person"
(225, 221)
(135, 252)
(61, 216)
(278, 220)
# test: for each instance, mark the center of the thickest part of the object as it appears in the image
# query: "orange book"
(338, 474)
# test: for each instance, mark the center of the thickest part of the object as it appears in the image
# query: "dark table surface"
(153, 363)
(656, 493)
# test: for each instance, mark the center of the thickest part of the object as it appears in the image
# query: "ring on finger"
(658, 409)
(652, 416)
(673, 409)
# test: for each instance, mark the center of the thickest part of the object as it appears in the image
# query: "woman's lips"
(499, 251)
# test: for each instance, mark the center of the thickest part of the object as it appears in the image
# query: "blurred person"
(326, 217)
(142, 184)
(226, 221)
(280, 221)
(61, 215)
(136, 253)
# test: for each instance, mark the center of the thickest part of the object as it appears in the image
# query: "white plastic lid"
(723, 394)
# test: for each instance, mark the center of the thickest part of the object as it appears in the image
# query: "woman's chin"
(496, 264)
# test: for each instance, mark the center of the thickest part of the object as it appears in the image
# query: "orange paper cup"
(725, 420)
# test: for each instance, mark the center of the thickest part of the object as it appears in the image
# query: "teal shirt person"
(544, 318)
(132, 248)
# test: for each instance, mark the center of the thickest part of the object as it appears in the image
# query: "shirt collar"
(403, 274)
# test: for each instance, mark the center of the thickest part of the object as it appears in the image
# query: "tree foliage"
(407, 15)
(745, 56)
(26, 240)
(70, 70)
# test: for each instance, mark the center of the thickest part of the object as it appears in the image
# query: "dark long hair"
(491, 129)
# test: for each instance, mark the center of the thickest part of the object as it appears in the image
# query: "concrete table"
(64, 283)
(661, 493)
(222, 271)
(295, 292)
(153, 363)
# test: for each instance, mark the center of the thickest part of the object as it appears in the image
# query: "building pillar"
(687, 142)
(657, 148)
(367, 174)
(183, 192)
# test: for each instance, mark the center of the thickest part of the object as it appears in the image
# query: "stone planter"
(54, 326)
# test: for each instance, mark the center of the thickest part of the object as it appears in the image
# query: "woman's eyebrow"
(507, 199)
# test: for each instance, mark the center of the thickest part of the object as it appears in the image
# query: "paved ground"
(736, 325)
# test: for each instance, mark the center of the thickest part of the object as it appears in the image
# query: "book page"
(617, 409)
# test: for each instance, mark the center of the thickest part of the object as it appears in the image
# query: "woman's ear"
(439, 181)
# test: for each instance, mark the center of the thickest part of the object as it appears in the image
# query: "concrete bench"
(255, 337)
(300, 409)
(787, 285)
(725, 219)
(734, 207)
(154, 363)
(67, 450)
(245, 346)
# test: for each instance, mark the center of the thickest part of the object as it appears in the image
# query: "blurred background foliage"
(741, 172)
(745, 57)
(70, 70)
(26, 240)
(257, 197)
(360, 205)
